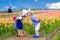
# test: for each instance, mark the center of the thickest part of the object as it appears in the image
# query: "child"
(19, 24)
(36, 23)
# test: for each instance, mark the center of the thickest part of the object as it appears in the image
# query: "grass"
(49, 27)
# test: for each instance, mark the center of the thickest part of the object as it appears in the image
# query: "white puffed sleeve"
(21, 18)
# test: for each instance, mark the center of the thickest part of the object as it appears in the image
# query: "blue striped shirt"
(33, 18)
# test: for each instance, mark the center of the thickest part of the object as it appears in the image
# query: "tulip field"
(50, 20)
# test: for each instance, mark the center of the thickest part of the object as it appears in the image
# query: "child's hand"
(16, 18)
(39, 20)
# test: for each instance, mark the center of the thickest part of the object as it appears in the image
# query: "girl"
(19, 24)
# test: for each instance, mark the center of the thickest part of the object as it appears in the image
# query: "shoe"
(35, 36)
(22, 35)
(18, 35)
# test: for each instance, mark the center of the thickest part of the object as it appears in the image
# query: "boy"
(36, 23)
(19, 24)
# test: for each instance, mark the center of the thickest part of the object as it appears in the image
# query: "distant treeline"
(27, 9)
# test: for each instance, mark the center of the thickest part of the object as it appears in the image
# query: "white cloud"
(36, 0)
(53, 5)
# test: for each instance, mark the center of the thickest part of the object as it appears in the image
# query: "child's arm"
(15, 25)
(36, 19)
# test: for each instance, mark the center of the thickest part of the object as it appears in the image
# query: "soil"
(25, 38)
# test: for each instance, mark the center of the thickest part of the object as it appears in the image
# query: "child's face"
(15, 18)
(25, 15)
(30, 13)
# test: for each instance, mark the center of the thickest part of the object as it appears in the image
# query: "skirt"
(37, 27)
(19, 24)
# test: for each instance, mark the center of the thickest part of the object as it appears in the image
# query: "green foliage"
(28, 28)
(47, 27)
(57, 37)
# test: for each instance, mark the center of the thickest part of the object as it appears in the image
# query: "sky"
(21, 4)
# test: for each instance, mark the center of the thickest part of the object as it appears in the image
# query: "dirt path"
(25, 38)
(52, 35)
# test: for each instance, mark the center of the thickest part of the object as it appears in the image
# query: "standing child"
(36, 23)
(19, 24)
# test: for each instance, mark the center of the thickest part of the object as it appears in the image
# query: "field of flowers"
(49, 22)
